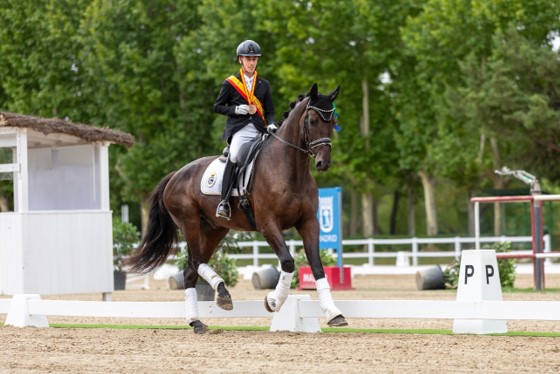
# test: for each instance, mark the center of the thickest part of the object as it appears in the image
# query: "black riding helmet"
(248, 48)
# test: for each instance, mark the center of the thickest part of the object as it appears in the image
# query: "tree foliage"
(450, 84)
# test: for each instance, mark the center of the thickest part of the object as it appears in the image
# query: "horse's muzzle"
(321, 165)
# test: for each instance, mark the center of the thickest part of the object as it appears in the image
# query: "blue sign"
(329, 215)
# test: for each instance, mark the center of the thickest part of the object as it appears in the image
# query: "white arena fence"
(300, 313)
(411, 252)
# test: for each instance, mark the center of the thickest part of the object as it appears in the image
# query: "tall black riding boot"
(224, 209)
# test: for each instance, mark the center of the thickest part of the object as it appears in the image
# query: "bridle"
(326, 115)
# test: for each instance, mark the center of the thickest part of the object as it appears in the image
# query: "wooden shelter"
(58, 238)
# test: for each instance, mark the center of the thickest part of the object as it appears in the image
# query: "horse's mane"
(292, 106)
(321, 102)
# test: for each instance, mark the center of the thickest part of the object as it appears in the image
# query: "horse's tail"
(160, 236)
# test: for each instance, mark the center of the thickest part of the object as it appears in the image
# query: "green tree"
(39, 58)
(438, 39)
(145, 78)
(39, 63)
(515, 97)
(353, 44)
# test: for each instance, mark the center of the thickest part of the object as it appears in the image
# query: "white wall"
(64, 178)
(56, 252)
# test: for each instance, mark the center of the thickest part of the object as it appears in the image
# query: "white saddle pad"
(212, 179)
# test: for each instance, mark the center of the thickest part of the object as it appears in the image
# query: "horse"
(284, 195)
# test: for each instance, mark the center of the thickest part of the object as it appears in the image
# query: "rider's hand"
(271, 128)
(242, 109)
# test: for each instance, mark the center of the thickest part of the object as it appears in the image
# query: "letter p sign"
(469, 272)
(489, 273)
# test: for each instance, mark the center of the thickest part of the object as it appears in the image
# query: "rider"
(246, 99)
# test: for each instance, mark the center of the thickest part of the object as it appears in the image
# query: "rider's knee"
(288, 265)
(233, 155)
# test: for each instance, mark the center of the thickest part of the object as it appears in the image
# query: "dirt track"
(159, 350)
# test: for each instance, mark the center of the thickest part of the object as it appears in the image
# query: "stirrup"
(223, 210)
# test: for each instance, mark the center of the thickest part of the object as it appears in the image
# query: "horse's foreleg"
(333, 314)
(310, 235)
(275, 299)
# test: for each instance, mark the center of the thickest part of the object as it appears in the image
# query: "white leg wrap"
(276, 298)
(210, 276)
(191, 305)
(326, 300)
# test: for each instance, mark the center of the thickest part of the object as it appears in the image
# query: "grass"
(334, 330)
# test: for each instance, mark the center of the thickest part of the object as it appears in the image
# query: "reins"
(315, 143)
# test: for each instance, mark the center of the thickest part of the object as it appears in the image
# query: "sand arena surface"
(71, 350)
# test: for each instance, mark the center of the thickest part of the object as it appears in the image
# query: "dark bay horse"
(284, 195)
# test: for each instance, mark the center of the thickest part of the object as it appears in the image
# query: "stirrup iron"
(223, 210)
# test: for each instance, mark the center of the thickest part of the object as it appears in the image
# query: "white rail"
(368, 252)
(32, 311)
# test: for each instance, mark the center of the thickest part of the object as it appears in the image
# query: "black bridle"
(326, 115)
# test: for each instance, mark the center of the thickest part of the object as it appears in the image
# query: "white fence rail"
(368, 246)
(300, 313)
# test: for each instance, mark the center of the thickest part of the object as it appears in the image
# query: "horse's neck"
(287, 161)
(291, 131)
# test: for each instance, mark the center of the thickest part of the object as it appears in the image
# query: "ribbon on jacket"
(249, 96)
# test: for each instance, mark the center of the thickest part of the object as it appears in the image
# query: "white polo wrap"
(210, 276)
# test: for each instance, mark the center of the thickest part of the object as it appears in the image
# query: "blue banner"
(329, 215)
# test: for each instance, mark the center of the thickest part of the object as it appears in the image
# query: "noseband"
(326, 115)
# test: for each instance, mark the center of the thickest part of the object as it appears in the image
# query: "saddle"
(212, 178)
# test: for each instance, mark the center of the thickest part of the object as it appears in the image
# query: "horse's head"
(319, 121)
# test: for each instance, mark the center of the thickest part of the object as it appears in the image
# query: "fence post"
(371, 250)
(457, 248)
(547, 247)
(255, 253)
(292, 245)
(415, 251)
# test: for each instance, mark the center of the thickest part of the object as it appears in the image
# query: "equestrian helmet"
(248, 48)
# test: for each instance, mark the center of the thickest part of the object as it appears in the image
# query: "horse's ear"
(314, 92)
(334, 94)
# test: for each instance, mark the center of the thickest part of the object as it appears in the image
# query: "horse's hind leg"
(210, 237)
(202, 243)
(202, 240)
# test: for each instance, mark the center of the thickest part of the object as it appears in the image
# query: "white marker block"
(479, 280)
(289, 318)
(19, 316)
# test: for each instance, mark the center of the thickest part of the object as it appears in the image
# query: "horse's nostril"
(322, 165)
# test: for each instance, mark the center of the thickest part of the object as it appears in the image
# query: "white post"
(18, 315)
(457, 248)
(371, 250)
(415, 251)
(477, 225)
(104, 175)
(21, 178)
(289, 317)
(255, 254)
(479, 280)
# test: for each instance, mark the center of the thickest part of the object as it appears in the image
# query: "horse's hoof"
(199, 327)
(266, 306)
(338, 321)
(224, 302)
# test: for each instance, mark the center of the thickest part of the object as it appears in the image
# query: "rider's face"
(249, 64)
